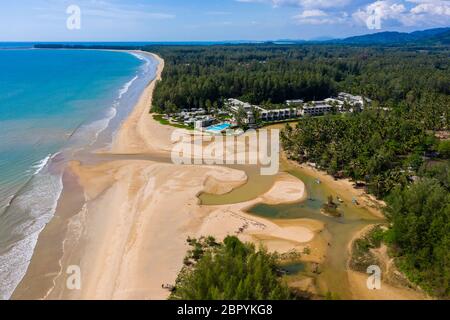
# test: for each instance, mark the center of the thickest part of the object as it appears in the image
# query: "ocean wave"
(34, 206)
(126, 87)
(90, 132)
(139, 56)
(38, 167)
(27, 215)
(142, 57)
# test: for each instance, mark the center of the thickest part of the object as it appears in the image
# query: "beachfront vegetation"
(160, 118)
(420, 234)
(413, 81)
(391, 147)
(400, 160)
(231, 270)
(362, 256)
(381, 149)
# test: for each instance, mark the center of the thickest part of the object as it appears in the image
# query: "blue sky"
(202, 20)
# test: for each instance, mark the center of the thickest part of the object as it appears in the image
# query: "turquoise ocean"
(53, 105)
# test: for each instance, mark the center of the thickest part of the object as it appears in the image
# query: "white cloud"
(384, 9)
(412, 13)
(433, 7)
(316, 16)
(317, 3)
(430, 13)
(312, 13)
(421, 13)
(302, 3)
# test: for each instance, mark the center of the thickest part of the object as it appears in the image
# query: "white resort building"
(294, 102)
(294, 109)
(344, 102)
(316, 108)
(265, 114)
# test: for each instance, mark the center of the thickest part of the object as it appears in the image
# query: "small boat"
(340, 200)
(318, 181)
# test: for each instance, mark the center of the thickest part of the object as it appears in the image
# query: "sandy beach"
(138, 217)
(128, 225)
(129, 236)
(139, 134)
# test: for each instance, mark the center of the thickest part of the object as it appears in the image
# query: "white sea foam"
(91, 131)
(41, 164)
(143, 58)
(26, 217)
(87, 134)
(126, 87)
(33, 208)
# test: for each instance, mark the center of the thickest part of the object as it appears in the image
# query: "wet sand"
(130, 236)
(125, 222)
(138, 134)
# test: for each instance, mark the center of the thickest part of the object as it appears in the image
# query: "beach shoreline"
(127, 230)
(72, 202)
(138, 135)
(78, 111)
(113, 235)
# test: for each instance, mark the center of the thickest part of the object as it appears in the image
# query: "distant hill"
(442, 38)
(430, 36)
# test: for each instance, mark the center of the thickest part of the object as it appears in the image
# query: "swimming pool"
(218, 127)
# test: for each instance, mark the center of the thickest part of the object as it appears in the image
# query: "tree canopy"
(420, 234)
(412, 81)
(379, 148)
(229, 271)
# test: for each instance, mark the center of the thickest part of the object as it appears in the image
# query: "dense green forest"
(387, 152)
(400, 160)
(383, 149)
(392, 146)
(199, 76)
(230, 270)
(420, 233)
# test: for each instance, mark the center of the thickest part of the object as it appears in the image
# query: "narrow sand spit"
(232, 220)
